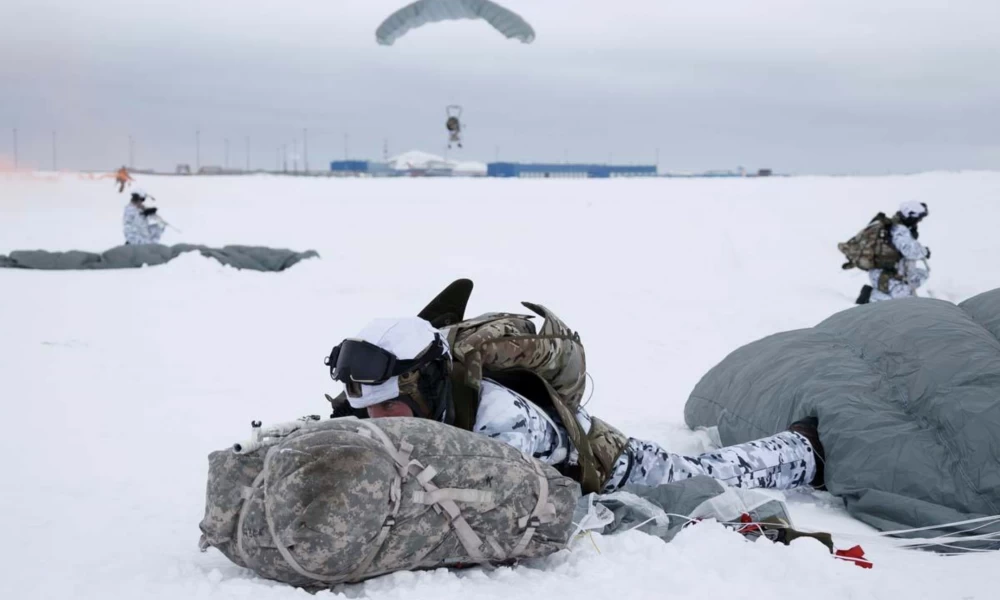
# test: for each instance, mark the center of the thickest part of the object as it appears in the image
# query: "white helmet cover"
(911, 209)
(406, 338)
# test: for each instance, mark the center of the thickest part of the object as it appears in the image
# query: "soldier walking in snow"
(888, 249)
(121, 178)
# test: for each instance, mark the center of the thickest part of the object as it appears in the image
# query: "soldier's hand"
(149, 211)
(928, 251)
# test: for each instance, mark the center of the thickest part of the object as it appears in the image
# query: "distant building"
(349, 167)
(582, 171)
(183, 169)
(360, 168)
(409, 164)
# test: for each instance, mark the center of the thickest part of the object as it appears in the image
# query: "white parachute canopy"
(507, 22)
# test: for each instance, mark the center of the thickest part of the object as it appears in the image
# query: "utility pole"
(131, 152)
(295, 155)
(347, 146)
(305, 150)
(657, 161)
(226, 163)
(284, 158)
(15, 148)
(54, 168)
(248, 154)
(197, 150)
(385, 150)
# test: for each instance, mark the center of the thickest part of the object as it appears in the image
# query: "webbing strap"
(396, 494)
(543, 496)
(247, 495)
(529, 533)
(468, 538)
(426, 475)
(280, 545)
(455, 495)
(543, 512)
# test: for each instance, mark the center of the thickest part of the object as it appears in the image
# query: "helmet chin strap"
(409, 394)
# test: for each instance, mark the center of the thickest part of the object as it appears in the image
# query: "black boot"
(865, 296)
(807, 428)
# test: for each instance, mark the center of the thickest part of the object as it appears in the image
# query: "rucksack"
(872, 247)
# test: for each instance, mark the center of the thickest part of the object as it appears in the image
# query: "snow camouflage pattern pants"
(782, 461)
(897, 288)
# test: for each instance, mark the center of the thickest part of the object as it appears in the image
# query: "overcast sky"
(821, 86)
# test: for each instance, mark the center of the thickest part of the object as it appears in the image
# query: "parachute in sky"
(418, 14)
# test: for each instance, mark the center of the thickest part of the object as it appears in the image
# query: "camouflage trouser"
(887, 287)
(782, 462)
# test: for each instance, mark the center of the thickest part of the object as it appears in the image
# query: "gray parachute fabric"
(507, 22)
(907, 394)
(347, 499)
(254, 258)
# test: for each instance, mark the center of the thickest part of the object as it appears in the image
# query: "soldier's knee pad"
(607, 445)
(883, 282)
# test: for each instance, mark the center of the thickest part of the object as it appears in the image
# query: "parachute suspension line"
(948, 540)
(593, 386)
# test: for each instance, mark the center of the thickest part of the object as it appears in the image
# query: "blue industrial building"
(349, 166)
(504, 169)
(362, 167)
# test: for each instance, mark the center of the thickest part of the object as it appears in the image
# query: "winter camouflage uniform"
(908, 276)
(138, 229)
(783, 461)
(550, 368)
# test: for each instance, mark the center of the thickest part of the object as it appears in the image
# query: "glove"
(928, 252)
(149, 211)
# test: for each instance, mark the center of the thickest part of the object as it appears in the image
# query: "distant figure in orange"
(122, 177)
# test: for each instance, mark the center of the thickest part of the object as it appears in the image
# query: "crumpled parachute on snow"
(664, 510)
(907, 394)
(254, 258)
(418, 14)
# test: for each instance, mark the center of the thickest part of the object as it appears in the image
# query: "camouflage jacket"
(547, 366)
(138, 229)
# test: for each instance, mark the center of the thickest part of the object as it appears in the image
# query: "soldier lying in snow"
(497, 376)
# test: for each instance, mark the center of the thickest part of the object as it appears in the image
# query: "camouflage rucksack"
(872, 247)
(315, 504)
(548, 367)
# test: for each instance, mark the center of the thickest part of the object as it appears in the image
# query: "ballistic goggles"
(354, 362)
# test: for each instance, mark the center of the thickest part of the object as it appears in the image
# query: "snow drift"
(121, 382)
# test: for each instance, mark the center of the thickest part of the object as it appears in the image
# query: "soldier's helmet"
(912, 212)
(404, 359)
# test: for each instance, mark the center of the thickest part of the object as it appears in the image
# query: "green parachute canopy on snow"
(418, 14)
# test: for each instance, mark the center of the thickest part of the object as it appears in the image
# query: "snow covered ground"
(114, 386)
